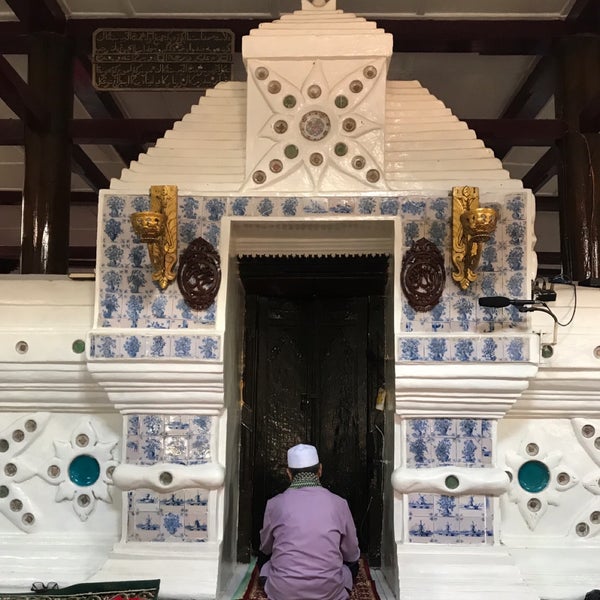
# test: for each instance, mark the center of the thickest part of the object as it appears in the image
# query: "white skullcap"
(301, 456)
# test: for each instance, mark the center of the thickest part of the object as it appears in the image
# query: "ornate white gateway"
(121, 402)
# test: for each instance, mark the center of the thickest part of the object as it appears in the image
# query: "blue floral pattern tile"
(128, 298)
(439, 518)
(419, 348)
(122, 346)
(177, 516)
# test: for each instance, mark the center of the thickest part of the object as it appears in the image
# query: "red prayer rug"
(364, 586)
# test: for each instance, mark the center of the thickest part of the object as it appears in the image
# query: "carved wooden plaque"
(199, 274)
(423, 276)
(161, 59)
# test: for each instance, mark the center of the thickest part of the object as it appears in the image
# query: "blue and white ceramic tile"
(389, 206)
(178, 439)
(167, 346)
(444, 442)
(172, 525)
(195, 524)
(314, 206)
(441, 519)
(125, 270)
(418, 348)
(342, 206)
(368, 206)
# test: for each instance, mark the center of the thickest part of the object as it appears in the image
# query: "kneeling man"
(310, 536)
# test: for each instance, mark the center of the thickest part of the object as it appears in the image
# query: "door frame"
(274, 282)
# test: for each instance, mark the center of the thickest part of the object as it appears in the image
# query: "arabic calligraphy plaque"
(423, 275)
(199, 275)
(161, 59)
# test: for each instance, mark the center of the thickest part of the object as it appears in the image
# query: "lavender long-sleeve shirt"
(309, 532)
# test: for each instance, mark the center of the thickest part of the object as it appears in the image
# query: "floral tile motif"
(417, 348)
(185, 347)
(177, 516)
(446, 442)
(439, 518)
(127, 296)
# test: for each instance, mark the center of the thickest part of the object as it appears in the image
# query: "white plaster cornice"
(60, 386)
(169, 477)
(491, 482)
(134, 386)
(459, 389)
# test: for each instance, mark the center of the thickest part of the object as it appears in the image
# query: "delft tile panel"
(180, 517)
(179, 439)
(129, 298)
(441, 519)
(155, 346)
(445, 442)
(502, 269)
(417, 348)
(438, 518)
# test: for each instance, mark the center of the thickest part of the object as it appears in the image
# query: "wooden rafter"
(545, 168)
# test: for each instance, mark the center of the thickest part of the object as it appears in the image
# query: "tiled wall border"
(155, 346)
(463, 349)
(129, 299)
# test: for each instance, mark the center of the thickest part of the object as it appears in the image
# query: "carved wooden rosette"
(199, 275)
(423, 275)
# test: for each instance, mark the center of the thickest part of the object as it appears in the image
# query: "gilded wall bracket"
(472, 226)
(158, 228)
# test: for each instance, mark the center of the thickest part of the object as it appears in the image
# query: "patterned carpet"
(364, 586)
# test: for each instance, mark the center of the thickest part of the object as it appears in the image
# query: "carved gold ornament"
(158, 228)
(472, 226)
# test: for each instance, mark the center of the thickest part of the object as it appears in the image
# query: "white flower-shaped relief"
(82, 469)
(317, 127)
(587, 432)
(14, 505)
(538, 477)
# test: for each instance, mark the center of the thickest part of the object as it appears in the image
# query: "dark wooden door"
(311, 384)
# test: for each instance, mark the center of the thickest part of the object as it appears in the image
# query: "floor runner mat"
(364, 586)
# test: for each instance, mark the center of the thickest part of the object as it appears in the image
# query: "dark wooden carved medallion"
(199, 274)
(423, 275)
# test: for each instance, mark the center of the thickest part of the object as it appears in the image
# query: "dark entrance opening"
(314, 362)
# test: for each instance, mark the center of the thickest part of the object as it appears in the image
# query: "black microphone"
(502, 301)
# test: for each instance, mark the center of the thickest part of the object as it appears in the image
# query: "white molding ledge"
(132, 386)
(458, 389)
(167, 477)
(491, 482)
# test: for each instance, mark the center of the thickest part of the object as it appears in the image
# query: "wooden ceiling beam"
(410, 35)
(39, 15)
(530, 98)
(547, 204)
(589, 118)
(518, 132)
(545, 168)
(86, 168)
(15, 197)
(101, 105)
(523, 132)
(115, 131)
(19, 97)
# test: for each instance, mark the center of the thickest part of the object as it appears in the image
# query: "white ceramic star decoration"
(82, 469)
(537, 478)
(319, 128)
(14, 504)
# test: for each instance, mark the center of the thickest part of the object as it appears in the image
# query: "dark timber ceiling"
(498, 74)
